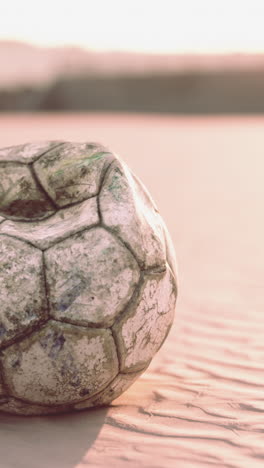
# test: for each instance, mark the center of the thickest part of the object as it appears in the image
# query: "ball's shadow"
(59, 441)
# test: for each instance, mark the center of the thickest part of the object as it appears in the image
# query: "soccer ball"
(87, 277)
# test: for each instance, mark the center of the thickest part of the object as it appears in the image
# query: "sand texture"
(201, 401)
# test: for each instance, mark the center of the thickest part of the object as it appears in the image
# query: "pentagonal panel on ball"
(60, 364)
(91, 277)
(23, 301)
(121, 383)
(128, 210)
(72, 173)
(142, 329)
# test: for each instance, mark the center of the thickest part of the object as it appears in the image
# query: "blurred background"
(167, 56)
(169, 86)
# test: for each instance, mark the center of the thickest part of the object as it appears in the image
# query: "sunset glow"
(165, 26)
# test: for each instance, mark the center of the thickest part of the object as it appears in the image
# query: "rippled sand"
(201, 402)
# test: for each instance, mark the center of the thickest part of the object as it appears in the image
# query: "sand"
(201, 401)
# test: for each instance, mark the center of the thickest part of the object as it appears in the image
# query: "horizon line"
(181, 52)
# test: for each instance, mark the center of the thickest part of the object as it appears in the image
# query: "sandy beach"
(201, 402)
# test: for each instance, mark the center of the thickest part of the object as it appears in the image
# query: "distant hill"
(23, 64)
(73, 79)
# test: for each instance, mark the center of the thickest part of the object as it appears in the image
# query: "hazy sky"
(140, 25)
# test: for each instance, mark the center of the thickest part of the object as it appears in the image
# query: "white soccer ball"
(87, 277)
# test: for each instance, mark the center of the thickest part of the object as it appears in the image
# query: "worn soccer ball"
(87, 277)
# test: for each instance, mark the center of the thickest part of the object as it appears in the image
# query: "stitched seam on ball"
(41, 188)
(25, 334)
(21, 239)
(47, 151)
(46, 286)
(107, 170)
(26, 163)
